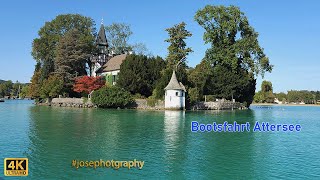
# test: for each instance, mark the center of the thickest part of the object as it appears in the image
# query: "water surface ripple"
(52, 137)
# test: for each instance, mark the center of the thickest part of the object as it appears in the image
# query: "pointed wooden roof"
(174, 84)
(102, 39)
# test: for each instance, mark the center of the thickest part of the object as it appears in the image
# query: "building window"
(114, 78)
(182, 94)
(177, 93)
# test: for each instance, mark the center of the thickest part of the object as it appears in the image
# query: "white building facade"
(112, 68)
(175, 94)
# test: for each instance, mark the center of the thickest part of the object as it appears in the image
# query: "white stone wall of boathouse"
(175, 99)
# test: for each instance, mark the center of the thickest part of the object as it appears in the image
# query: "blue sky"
(288, 32)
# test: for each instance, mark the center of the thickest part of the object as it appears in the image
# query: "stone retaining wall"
(71, 102)
(80, 103)
(217, 105)
(143, 104)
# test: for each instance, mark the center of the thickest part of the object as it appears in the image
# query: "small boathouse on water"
(175, 94)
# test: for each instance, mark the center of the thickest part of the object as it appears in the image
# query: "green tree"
(118, 35)
(258, 97)
(139, 74)
(176, 58)
(266, 86)
(44, 47)
(301, 96)
(72, 54)
(16, 87)
(35, 85)
(267, 92)
(200, 75)
(111, 97)
(226, 83)
(269, 97)
(178, 50)
(141, 49)
(235, 56)
(52, 87)
(24, 91)
(194, 94)
(233, 41)
(6, 88)
(281, 96)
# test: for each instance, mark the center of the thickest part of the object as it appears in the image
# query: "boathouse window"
(182, 94)
(177, 93)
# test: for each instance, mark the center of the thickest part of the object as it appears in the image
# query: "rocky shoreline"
(141, 104)
(68, 102)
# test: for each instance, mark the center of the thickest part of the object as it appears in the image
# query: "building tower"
(175, 94)
(100, 57)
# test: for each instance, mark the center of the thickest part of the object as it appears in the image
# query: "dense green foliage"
(63, 46)
(176, 59)
(234, 58)
(118, 35)
(5, 88)
(178, 50)
(35, 85)
(233, 41)
(8, 88)
(227, 83)
(281, 96)
(198, 78)
(111, 96)
(52, 86)
(194, 95)
(266, 86)
(139, 74)
(72, 54)
(266, 94)
(25, 91)
(302, 96)
(222, 82)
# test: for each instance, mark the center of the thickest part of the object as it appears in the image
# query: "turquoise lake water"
(52, 137)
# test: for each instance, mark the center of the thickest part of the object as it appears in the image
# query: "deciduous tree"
(52, 86)
(44, 47)
(5, 88)
(72, 54)
(235, 56)
(88, 84)
(233, 41)
(118, 35)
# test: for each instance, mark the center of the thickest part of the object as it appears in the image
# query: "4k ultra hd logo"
(16, 166)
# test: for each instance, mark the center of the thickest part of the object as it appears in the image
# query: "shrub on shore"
(111, 97)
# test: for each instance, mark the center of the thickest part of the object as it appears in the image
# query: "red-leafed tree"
(88, 84)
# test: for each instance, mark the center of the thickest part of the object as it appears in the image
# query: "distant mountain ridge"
(2, 81)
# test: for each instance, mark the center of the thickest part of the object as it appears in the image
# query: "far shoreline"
(271, 104)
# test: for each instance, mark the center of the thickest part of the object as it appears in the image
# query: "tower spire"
(102, 21)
